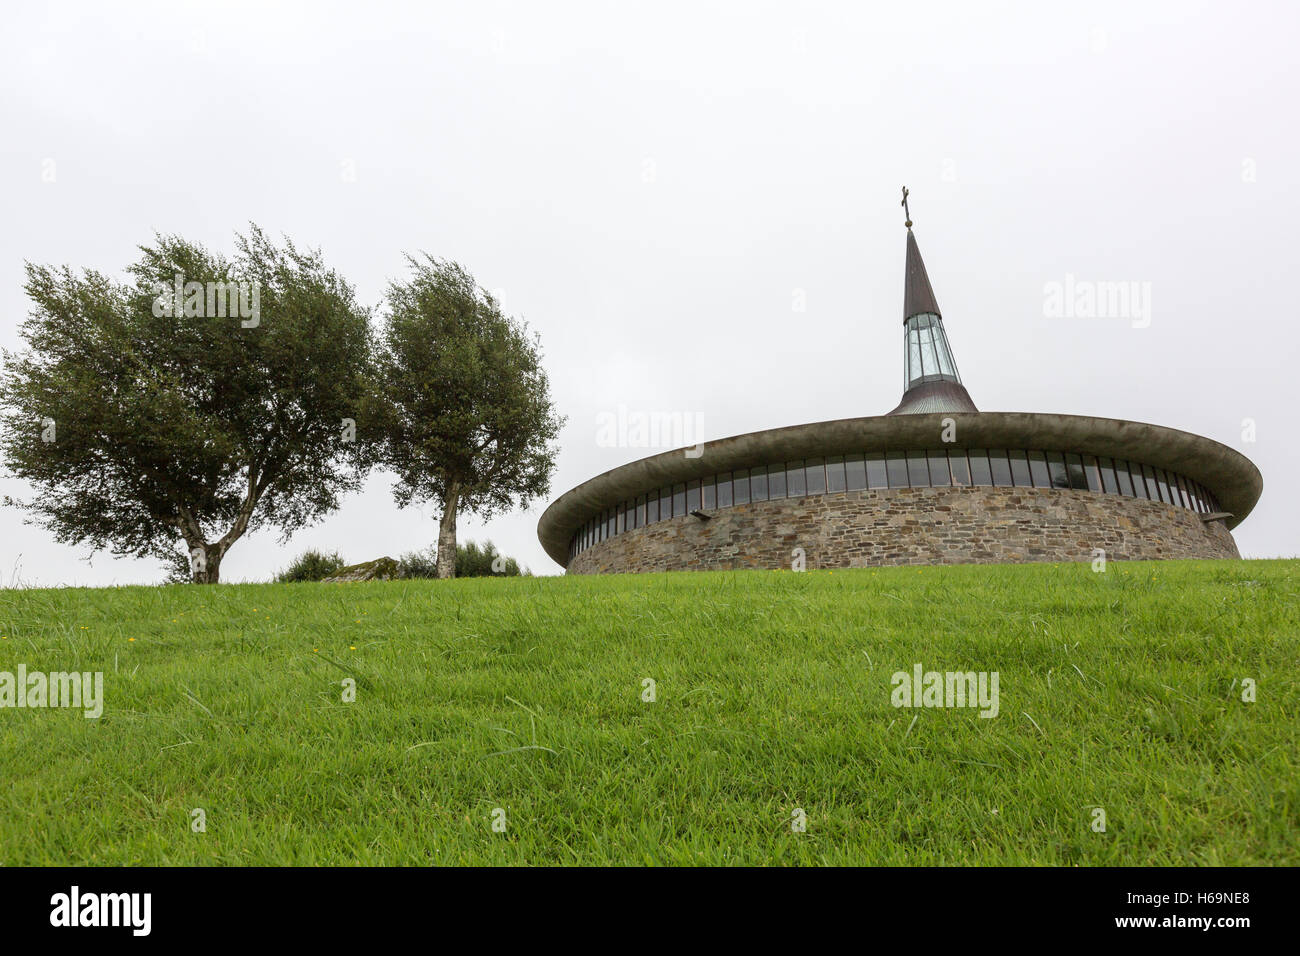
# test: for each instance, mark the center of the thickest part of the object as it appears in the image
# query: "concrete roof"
(1230, 475)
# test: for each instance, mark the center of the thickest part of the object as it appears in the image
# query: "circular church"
(935, 481)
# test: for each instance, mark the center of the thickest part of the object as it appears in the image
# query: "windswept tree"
(465, 416)
(200, 400)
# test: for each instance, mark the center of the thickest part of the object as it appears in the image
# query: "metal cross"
(907, 212)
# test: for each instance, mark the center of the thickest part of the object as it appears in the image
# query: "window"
(724, 490)
(665, 503)
(758, 484)
(876, 477)
(795, 483)
(835, 474)
(776, 481)
(855, 468)
(1162, 482)
(740, 487)
(1074, 471)
(652, 509)
(1182, 497)
(1019, 468)
(918, 472)
(693, 496)
(1001, 467)
(609, 523)
(1056, 470)
(1108, 481)
(1139, 483)
(980, 471)
(896, 466)
(1124, 479)
(620, 525)
(1038, 470)
(679, 500)
(939, 468)
(926, 349)
(1092, 472)
(1153, 488)
(816, 468)
(960, 467)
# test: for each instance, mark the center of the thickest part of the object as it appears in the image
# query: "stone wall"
(915, 526)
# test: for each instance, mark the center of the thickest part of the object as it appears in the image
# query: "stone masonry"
(981, 525)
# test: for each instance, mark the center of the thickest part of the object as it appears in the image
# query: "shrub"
(418, 564)
(312, 565)
(472, 561)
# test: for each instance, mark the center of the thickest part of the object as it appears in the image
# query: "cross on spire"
(906, 212)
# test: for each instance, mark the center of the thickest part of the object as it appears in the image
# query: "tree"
(466, 418)
(202, 400)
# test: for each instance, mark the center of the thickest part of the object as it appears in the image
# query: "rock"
(380, 569)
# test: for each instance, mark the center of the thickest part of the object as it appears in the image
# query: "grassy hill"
(1119, 690)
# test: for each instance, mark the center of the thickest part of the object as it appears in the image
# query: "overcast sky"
(659, 188)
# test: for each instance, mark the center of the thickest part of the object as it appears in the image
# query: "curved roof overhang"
(1230, 475)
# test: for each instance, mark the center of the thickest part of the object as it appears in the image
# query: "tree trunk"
(205, 559)
(447, 533)
(206, 563)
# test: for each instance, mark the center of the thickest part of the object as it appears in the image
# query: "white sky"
(649, 185)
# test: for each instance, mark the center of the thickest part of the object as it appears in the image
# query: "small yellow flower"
(130, 638)
(354, 647)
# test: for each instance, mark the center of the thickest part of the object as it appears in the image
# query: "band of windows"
(896, 469)
(928, 357)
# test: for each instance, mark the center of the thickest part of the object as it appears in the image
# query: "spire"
(918, 296)
(931, 381)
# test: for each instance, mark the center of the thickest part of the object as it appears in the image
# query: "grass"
(1120, 690)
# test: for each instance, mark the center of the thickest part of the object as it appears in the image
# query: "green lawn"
(1120, 690)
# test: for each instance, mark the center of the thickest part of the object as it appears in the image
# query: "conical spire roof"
(918, 296)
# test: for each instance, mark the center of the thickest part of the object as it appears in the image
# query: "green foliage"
(472, 561)
(311, 565)
(418, 564)
(463, 407)
(772, 693)
(173, 430)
